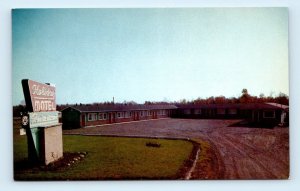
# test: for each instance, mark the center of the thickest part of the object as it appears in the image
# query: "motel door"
(283, 117)
(136, 115)
(109, 117)
(83, 120)
(255, 116)
(112, 117)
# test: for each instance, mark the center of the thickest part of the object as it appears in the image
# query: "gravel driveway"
(246, 153)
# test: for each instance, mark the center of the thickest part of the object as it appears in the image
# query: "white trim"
(125, 122)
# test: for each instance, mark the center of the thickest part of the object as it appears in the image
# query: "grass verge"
(208, 165)
(110, 158)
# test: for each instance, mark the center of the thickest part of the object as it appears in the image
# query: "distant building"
(262, 113)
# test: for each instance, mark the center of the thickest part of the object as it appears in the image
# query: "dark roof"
(118, 107)
(131, 107)
(234, 106)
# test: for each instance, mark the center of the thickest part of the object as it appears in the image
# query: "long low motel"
(261, 113)
(92, 115)
(77, 116)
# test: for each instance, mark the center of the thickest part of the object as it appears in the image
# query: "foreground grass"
(111, 158)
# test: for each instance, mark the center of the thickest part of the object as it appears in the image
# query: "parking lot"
(244, 152)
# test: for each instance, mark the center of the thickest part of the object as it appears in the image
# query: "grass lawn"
(110, 158)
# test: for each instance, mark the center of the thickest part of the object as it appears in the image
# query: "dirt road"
(245, 153)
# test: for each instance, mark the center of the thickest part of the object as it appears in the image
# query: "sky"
(153, 54)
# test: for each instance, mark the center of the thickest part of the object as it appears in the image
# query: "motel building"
(255, 113)
(77, 116)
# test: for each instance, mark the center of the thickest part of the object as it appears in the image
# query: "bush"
(152, 144)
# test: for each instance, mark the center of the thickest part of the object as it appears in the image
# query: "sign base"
(45, 144)
(53, 149)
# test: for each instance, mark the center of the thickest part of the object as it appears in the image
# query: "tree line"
(245, 97)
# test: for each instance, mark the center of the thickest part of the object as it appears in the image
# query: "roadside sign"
(38, 96)
(43, 119)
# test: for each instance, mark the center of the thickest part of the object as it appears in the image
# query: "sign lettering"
(39, 97)
(43, 119)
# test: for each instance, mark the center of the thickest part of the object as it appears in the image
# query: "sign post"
(43, 130)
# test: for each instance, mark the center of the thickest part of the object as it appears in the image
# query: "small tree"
(245, 97)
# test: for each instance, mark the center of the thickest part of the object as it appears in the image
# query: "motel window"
(232, 111)
(141, 113)
(100, 116)
(221, 111)
(269, 114)
(187, 111)
(104, 115)
(92, 116)
(119, 114)
(130, 114)
(197, 111)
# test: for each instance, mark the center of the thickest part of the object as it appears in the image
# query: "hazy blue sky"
(151, 54)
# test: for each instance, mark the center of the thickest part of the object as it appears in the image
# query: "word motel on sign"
(44, 105)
